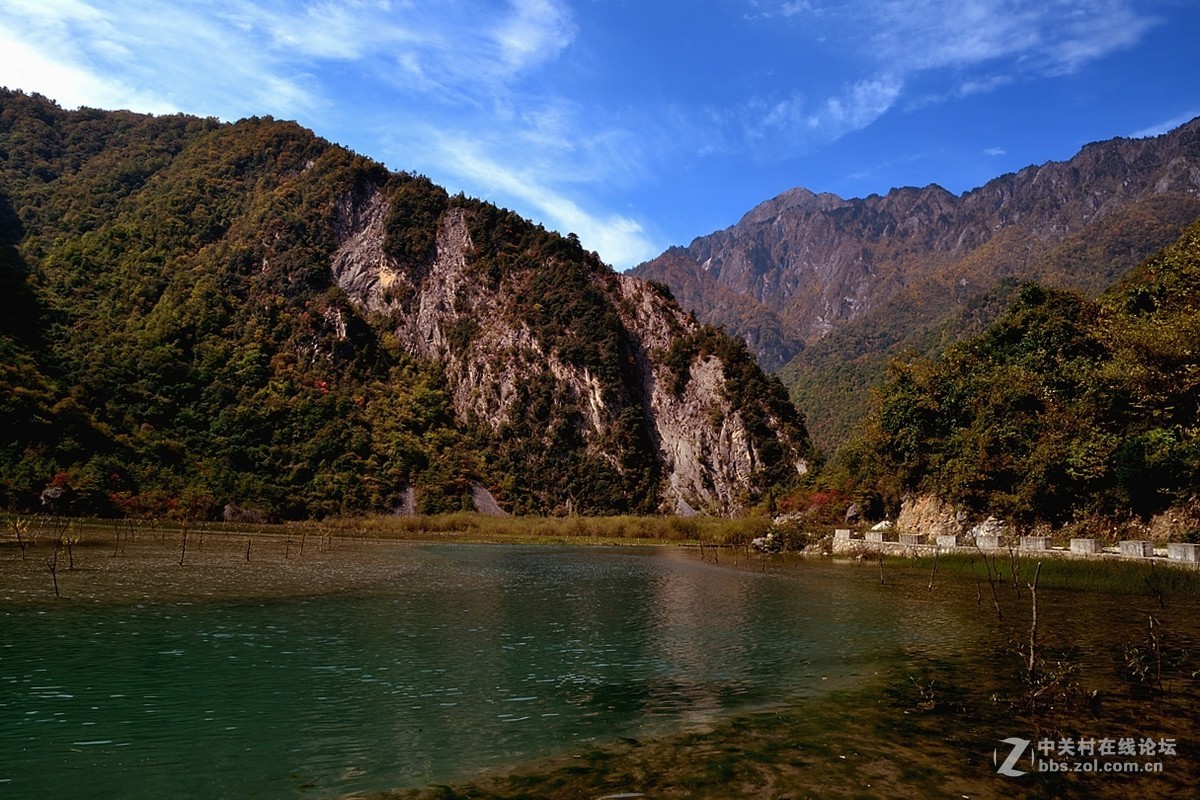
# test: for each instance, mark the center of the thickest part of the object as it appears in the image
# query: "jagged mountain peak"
(800, 199)
(884, 267)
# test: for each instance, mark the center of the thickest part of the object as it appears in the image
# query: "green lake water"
(474, 658)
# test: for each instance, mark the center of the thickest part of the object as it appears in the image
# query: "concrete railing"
(1182, 551)
(1138, 548)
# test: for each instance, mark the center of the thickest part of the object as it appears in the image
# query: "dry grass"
(118, 564)
(574, 530)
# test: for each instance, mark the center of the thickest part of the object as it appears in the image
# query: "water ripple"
(495, 655)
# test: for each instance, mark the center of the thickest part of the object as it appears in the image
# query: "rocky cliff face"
(818, 262)
(704, 456)
(708, 453)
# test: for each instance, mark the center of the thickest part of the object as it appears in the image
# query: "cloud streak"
(268, 51)
(529, 172)
(537, 31)
(1166, 125)
(969, 47)
(128, 54)
(796, 123)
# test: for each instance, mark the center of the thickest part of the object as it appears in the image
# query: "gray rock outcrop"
(707, 457)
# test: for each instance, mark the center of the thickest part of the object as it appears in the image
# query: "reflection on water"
(936, 681)
(470, 658)
(447, 662)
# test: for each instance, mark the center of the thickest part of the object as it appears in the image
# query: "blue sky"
(639, 124)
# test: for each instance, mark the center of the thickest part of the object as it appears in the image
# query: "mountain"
(826, 290)
(198, 314)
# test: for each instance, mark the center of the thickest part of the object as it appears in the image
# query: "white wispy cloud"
(220, 50)
(1035, 36)
(536, 31)
(38, 52)
(967, 47)
(798, 124)
(1165, 126)
(620, 238)
(532, 179)
(859, 106)
(129, 54)
(1091, 31)
(769, 9)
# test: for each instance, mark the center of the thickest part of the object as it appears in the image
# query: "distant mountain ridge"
(820, 281)
(199, 315)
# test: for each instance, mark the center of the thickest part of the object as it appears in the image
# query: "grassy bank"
(1079, 574)
(463, 526)
(473, 527)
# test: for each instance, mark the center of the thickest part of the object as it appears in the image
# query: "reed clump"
(627, 529)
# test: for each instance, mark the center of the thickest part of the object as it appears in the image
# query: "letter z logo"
(1008, 767)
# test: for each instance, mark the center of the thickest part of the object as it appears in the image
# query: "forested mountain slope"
(197, 314)
(1066, 410)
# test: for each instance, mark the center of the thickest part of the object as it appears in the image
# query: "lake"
(451, 663)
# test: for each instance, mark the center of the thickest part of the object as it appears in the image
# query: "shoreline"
(122, 562)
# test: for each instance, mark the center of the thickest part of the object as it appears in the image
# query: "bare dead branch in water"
(1158, 667)
(1033, 626)
(19, 525)
(991, 582)
(52, 565)
(1153, 588)
(1015, 569)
